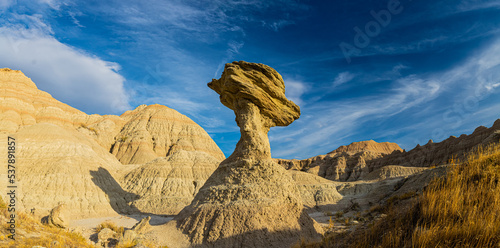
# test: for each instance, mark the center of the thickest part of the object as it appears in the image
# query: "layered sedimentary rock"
(22, 104)
(56, 164)
(249, 201)
(368, 146)
(158, 131)
(316, 192)
(137, 136)
(168, 184)
(433, 154)
(357, 160)
(347, 163)
(64, 154)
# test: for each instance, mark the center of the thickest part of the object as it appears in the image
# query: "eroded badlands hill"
(366, 173)
(65, 155)
(357, 160)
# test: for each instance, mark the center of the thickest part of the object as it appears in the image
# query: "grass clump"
(339, 214)
(41, 235)
(461, 209)
(110, 225)
(82, 125)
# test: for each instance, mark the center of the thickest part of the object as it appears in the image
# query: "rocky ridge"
(358, 160)
(346, 163)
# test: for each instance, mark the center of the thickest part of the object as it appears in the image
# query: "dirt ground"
(163, 230)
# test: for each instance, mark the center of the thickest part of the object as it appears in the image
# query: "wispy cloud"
(232, 50)
(471, 5)
(294, 91)
(160, 94)
(438, 33)
(343, 78)
(277, 25)
(74, 16)
(458, 90)
(328, 122)
(55, 4)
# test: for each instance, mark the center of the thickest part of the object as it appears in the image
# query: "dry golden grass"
(461, 209)
(48, 236)
(110, 225)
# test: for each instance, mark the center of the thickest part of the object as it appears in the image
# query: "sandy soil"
(163, 230)
(87, 226)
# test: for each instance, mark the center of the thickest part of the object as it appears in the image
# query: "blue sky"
(399, 71)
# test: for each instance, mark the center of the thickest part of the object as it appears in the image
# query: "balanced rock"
(250, 201)
(256, 94)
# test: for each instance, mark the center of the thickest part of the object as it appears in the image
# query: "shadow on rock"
(265, 238)
(119, 199)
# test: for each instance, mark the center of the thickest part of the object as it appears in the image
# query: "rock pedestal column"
(250, 201)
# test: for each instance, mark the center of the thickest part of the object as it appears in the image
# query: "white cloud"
(343, 78)
(81, 80)
(4, 4)
(55, 4)
(294, 90)
(492, 86)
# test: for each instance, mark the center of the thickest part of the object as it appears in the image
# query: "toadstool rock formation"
(250, 201)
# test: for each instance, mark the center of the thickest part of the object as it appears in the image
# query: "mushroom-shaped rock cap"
(261, 85)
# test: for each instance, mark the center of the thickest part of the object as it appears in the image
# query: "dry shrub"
(110, 225)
